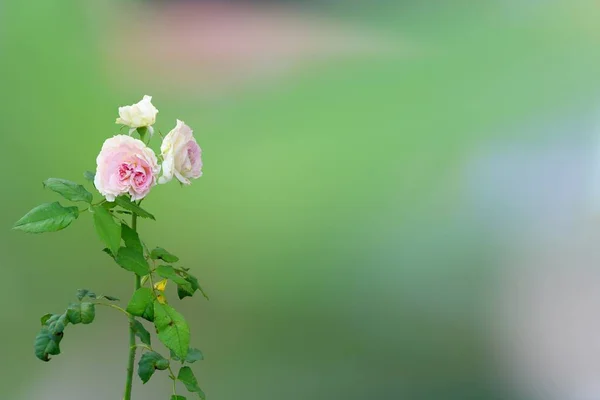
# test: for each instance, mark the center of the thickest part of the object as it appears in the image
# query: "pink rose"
(181, 154)
(125, 165)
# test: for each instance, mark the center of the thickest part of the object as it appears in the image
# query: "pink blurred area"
(224, 44)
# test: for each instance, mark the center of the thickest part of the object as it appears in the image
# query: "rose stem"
(132, 344)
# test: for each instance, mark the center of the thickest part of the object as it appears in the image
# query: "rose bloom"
(181, 154)
(142, 114)
(125, 165)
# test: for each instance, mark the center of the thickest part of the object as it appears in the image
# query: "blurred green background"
(360, 199)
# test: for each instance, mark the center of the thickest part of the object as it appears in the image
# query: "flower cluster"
(128, 166)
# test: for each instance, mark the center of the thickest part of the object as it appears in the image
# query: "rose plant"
(127, 170)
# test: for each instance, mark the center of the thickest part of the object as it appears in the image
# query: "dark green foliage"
(109, 298)
(150, 362)
(48, 217)
(168, 272)
(47, 341)
(83, 313)
(127, 204)
(45, 318)
(192, 356)
(188, 289)
(83, 293)
(131, 238)
(172, 329)
(106, 227)
(47, 344)
(69, 190)
(142, 304)
(141, 332)
(161, 254)
(123, 244)
(186, 376)
(132, 260)
(89, 175)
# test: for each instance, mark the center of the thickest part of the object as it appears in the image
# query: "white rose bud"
(181, 154)
(140, 115)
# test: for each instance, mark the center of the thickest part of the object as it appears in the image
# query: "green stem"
(173, 378)
(144, 346)
(115, 307)
(132, 343)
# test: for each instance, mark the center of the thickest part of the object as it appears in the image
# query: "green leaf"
(150, 362)
(162, 364)
(108, 230)
(194, 283)
(174, 397)
(81, 293)
(45, 318)
(109, 298)
(161, 254)
(173, 331)
(184, 291)
(132, 260)
(129, 205)
(142, 304)
(89, 175)
(48, 217)
(131, 238)
(83, 313)
(192, 356)
(109, 205)
(190, 288)
(57, 323)
(46, 344)
(69, 190)
(186, 376)
(47, 341)
(141, 332)
(168, 272)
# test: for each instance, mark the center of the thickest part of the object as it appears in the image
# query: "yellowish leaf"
(160, 286)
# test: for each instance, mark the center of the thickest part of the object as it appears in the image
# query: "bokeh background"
(400, 200)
